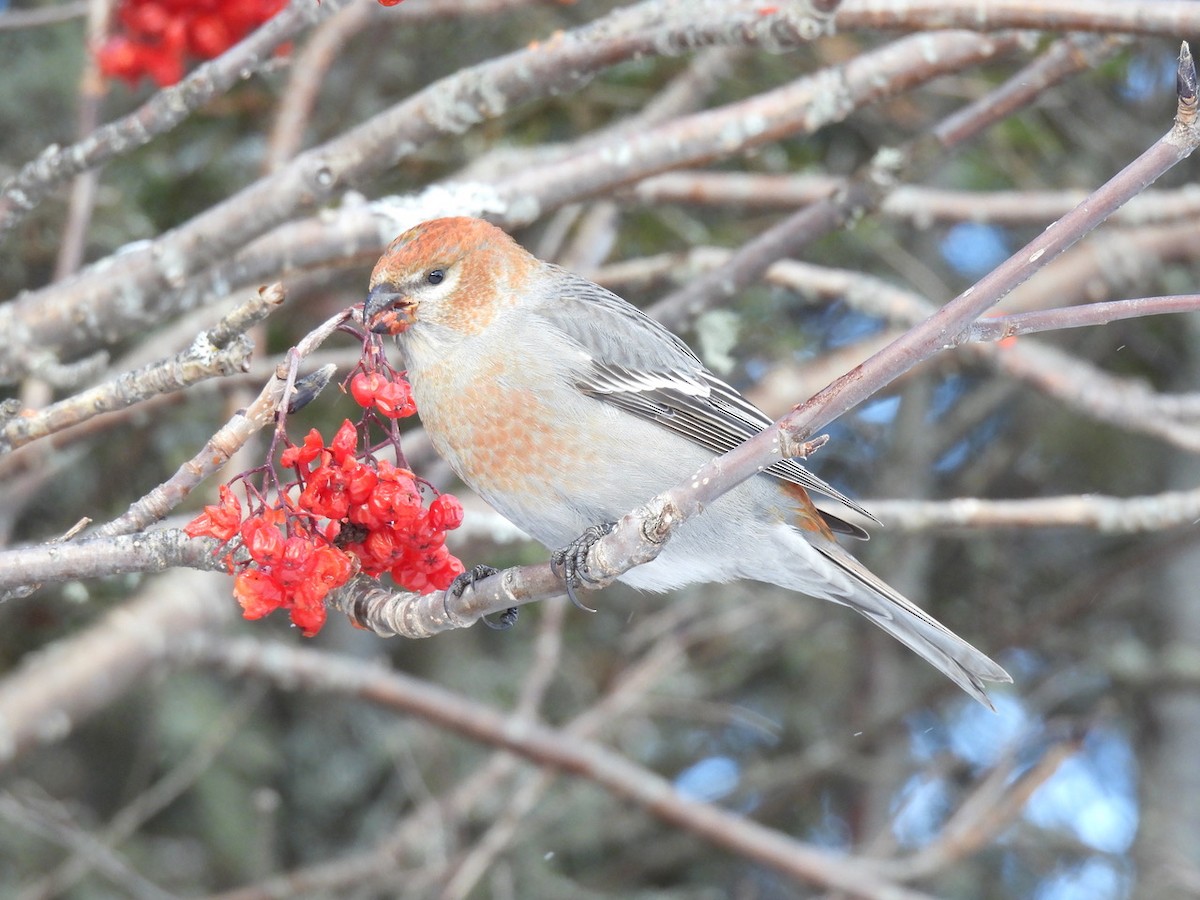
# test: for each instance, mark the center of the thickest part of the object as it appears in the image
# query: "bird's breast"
(504, 427)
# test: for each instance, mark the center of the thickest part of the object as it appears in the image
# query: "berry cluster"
(155, 37)
(392, 398)
(384, 524)
(346, 511)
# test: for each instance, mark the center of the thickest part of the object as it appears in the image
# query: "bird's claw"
(571, 561)
(507, 620)
(461, 582)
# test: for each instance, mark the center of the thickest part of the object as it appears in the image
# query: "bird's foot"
(571, 561)
(461, 582)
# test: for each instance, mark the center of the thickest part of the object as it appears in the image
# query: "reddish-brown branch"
(1000, 327)
(1127, 403)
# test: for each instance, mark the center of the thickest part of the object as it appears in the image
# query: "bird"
(564, 407)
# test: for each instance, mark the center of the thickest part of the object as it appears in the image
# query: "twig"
(307, 75)
(919, 205)
(222, 351)
(993, 806)
(1116, 261)
(870, 186)
(801, 107)
(1128, 403)
(14, 19)
(222, 445)
(1108, 515)
(74, 320)
(92, 88)
(313, 62)
(998, 328)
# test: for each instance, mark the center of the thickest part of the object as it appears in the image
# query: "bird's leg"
(507, 619)
(571, 561)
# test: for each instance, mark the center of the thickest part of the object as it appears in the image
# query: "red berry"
(364, 386)
(394, 399)
(445, 512)
(208, 36)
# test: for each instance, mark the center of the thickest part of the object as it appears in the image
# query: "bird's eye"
(435, 276)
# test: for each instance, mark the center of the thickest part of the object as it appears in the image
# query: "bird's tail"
(861, 590)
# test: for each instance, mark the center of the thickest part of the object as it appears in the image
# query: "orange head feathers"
(455, 271)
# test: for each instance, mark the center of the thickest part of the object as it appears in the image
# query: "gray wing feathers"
(649, 372)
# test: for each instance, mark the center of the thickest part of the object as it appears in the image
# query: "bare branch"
(1169, 18)
(81, 312)
(98, 557)
(998, 328)
(159, 114)
(225, 443)
(919, 205)
(294, 669)
(870, 186)
(222, 351)
(52, 690)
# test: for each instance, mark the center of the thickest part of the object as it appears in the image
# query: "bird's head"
(454, 272)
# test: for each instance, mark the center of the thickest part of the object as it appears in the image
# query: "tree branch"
(65, 318)
(309, 670)
(162, 112)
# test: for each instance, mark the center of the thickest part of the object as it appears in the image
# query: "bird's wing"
(638, 365)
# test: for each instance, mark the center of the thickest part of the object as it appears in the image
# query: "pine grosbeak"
(565, 407)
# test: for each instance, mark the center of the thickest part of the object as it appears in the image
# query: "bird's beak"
(389, 311)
